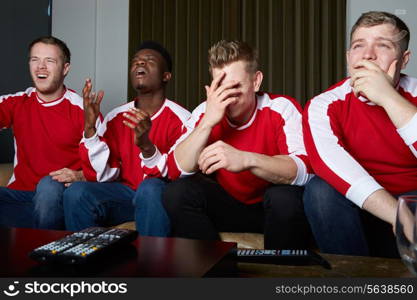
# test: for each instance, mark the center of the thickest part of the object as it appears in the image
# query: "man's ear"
(257, 80)
(405, 59)
(166, 76)
(67, 67)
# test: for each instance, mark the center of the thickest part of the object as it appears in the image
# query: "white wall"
(96, 31)
(406, 10)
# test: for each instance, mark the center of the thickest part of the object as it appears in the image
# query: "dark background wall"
(21, 22)
(301, 43)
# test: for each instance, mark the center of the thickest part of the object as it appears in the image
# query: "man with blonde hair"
(361, 138)
(47, 122)
(249, 148)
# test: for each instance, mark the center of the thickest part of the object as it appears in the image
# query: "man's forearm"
(280, 169)
(382, 205)
(399, 110)
(188, 151)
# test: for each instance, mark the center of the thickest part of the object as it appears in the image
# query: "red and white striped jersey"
(111, 154)
(274, 129)
(354, 146)
(46, 134)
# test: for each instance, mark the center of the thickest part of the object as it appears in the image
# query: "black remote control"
(83, 245)
(98, 245)
(51, 250)
(281, 257)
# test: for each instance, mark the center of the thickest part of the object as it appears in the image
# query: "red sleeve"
(8, 104)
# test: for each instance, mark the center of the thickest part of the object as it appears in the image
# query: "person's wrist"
(89, 131)
(248, 160)
(148, 151)
(145, 147)
(206, 123)
(391, 98)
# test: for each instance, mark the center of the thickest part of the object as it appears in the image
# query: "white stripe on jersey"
(292, 117)
(99, 154)
(190, 125)
(18, 94)
(74, 98)
(112, 114)
(178, 110)
(409, 131)
(293, 132)
(331, 153)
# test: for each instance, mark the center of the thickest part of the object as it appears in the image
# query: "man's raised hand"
(140, 122)
(91, 108)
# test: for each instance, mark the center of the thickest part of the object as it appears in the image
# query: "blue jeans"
(40, 209)
(341, 227)
(88, 204)
(150, 215)
(16, 208)
(48, 209)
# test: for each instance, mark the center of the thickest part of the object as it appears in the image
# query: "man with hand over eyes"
(248, 147)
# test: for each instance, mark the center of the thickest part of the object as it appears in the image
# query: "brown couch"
(244, 240)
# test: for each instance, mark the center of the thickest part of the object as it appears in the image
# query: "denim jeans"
(48, 209)
(150, 215)
(88, 204)
(16, 208)
(40, 209)
(341, 227)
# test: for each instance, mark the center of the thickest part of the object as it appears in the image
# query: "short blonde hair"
(225, 52)
(374, 18)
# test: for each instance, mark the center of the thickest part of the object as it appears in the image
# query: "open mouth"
(140, 72)
(41, 76)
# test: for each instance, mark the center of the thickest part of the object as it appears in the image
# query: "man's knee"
(49, 187)
(48, 197)
(148, 190)
(285, 201)
(323, 201)
(319, 195)
(75, 195)
(175, 195)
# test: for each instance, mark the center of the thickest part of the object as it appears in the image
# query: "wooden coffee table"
(145, 257)
(176, 257)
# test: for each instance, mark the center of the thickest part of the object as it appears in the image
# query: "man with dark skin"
(125, 148)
